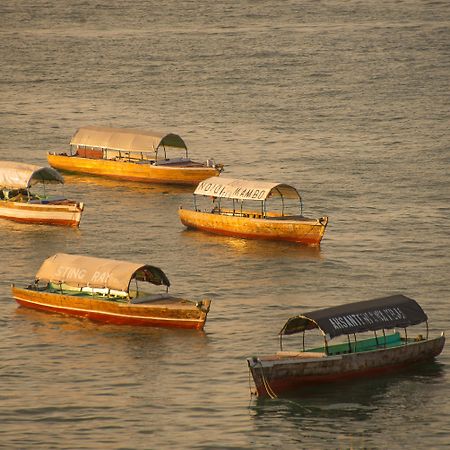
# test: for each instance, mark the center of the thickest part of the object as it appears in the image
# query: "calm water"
(347, 100)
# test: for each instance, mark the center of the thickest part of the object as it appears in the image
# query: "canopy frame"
(397, 311)
(219, 188)
(130, 143)
(21, 176)
(90, 272)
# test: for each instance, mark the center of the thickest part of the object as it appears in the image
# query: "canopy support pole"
(406, 336)
(326, 345)
(303, 340)
(281, 342)
(195, 203)
(384, 338)
(427, 328)
(349, 344)
(376, 337)
(354, 336)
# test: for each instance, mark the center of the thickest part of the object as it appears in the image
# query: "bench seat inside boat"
(364, 345)
(301, 354)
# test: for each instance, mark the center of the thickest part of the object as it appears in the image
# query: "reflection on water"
(329, 408)
(357, 393)
(157, 188)
(254, 247)
(48, 327)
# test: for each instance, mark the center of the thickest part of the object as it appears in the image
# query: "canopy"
(125, 139)
(243, 189)
(82, 271)
(371, 315)
(14, 175)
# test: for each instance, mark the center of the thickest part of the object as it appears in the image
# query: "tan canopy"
(244, 189)
(82, 271)
(14, 175)
(124, 139)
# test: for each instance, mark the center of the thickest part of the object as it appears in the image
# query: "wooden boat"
(100, 289)
(130, 154)
(229, 214)
(289, 370)
(18, 203)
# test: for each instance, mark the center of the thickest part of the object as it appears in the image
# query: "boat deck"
(154, 299)
(259, 215)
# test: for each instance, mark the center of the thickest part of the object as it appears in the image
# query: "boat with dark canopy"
(289, 370)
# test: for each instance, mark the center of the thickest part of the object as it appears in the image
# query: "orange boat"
(100, 289)
(18, 203)
(230, 216)
(134, 155)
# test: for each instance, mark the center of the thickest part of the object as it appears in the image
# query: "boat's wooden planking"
(68, 214)
(280, 374)
(303, 231)
(174, 312)
(132, 171)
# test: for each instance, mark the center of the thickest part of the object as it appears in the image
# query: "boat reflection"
(84, 349)
(253, 247)
(357, 399)
(49, 327)
(71, 178)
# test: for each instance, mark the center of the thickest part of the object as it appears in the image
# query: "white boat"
(18, 203)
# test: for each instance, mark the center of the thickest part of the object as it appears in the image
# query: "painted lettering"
(100, 277)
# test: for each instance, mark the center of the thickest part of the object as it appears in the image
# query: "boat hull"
(131, 171)
(66, 214)
(302, 231)
(179, 313)
(275, 375)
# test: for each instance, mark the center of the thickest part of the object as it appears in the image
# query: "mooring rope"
(269, 390)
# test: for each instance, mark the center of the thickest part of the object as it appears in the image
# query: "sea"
(348, 101)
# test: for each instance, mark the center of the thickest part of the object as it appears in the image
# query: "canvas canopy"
(82, 271)
(14, 175)
(372, 315)
(124, 139)
(243, 189)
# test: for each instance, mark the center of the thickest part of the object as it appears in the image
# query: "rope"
(252, 391)
(269, 390)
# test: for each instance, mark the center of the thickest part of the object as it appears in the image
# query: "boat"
(286, 371)
(19, 203)
(109, 291)
(221, 207)
(131, 154)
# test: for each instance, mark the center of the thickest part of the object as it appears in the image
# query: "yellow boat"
(134, 155)
(229, 215)
(109, 291)
(20, 204)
